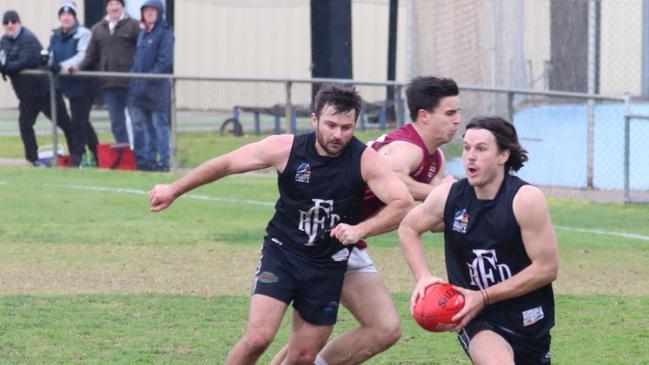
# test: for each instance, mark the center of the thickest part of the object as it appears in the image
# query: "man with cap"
(20, 50)
(67, 48)
(149, 99)
(111, 48)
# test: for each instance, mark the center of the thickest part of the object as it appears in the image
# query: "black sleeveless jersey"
(483, 247)
(316, 193)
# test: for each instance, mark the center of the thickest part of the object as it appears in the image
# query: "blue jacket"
(67, 49)
(153, 54)
(24, 53)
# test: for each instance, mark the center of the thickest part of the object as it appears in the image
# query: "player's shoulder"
(529, 205)
(528, 194)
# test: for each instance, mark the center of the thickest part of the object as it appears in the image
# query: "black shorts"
(313, 287)
(527, 350)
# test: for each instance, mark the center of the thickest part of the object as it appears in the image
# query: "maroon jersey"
(424, 173)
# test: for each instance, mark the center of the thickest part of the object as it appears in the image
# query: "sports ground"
(88, 275)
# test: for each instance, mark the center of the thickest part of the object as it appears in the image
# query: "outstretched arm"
(271, 151)
(540, 241)
(425, 217)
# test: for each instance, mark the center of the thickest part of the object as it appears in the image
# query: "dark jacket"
(68, 49)
(24, 53)
(154, 53)
(112, 52)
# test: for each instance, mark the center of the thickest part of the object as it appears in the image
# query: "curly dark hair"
(425, 92)
(342, 98)
(506, 138)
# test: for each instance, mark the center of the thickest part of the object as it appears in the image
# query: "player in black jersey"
(318, 216)
(500, 249)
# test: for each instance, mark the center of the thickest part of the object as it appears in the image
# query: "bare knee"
(388, 333)
(257, 342)
(302, 356)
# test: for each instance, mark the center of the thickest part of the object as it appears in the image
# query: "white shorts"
(359, 261)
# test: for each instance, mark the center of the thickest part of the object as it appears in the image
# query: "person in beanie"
(111, 48)
(67, 48)
(149, 99)
(20, 50)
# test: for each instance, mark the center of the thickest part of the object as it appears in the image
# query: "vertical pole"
(510, 106)
(590, 133)
(398, 100)
(645, 48)
(627, 148)
(174, 126)
(627, 132)
(54, 119)
(410, 25)
(289, 106)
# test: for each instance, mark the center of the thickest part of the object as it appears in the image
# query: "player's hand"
(420, 289)
(346, 234)
(160, 197)
(71, 69)
(473, 304)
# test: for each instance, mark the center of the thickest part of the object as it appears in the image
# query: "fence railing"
(513, 98)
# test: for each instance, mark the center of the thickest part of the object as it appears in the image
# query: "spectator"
(149, 99)
(111, 48)
(20, 50)
(67, 47)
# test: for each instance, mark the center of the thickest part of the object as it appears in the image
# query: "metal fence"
(575, 140)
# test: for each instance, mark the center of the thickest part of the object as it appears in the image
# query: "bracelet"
(485, 297)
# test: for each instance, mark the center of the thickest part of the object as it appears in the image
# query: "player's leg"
(306, 340)
(368, 299)
(263, 322)
(487, 347)
(272, 290)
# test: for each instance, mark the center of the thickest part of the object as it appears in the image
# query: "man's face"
(150, 15)
(114, 9)
(333, 130)
(445, 118)
(11, 27)
(483, 161)
(67, 20)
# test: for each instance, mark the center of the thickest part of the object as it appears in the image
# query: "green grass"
(90, 276)
(193, 147)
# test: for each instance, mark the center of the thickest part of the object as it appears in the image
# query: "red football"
(433, 311)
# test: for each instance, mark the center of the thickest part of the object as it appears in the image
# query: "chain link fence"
(574, 140)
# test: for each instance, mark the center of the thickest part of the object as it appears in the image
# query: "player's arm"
(389, 189)
(440, 178)
(270, 151)
(533, 217)
(428, 216)
(404, 158)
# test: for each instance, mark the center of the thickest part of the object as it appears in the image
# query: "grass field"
(88, 275)
(193, 147)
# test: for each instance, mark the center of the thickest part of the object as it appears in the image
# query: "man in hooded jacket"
(149, 99)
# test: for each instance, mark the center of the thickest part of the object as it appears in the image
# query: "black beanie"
(107, 1)
(10, 15)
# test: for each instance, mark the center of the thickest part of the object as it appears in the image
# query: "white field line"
(3, 183)
(268, 204)
(144, 192)
(607, 233)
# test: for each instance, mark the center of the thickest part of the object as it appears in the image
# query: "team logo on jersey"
(303, 173)
(485, 270)
(318, 218)
(460, 221)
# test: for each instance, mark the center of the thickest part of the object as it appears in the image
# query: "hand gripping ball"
(433, 311)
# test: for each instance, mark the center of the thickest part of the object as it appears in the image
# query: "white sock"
(320, 361)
